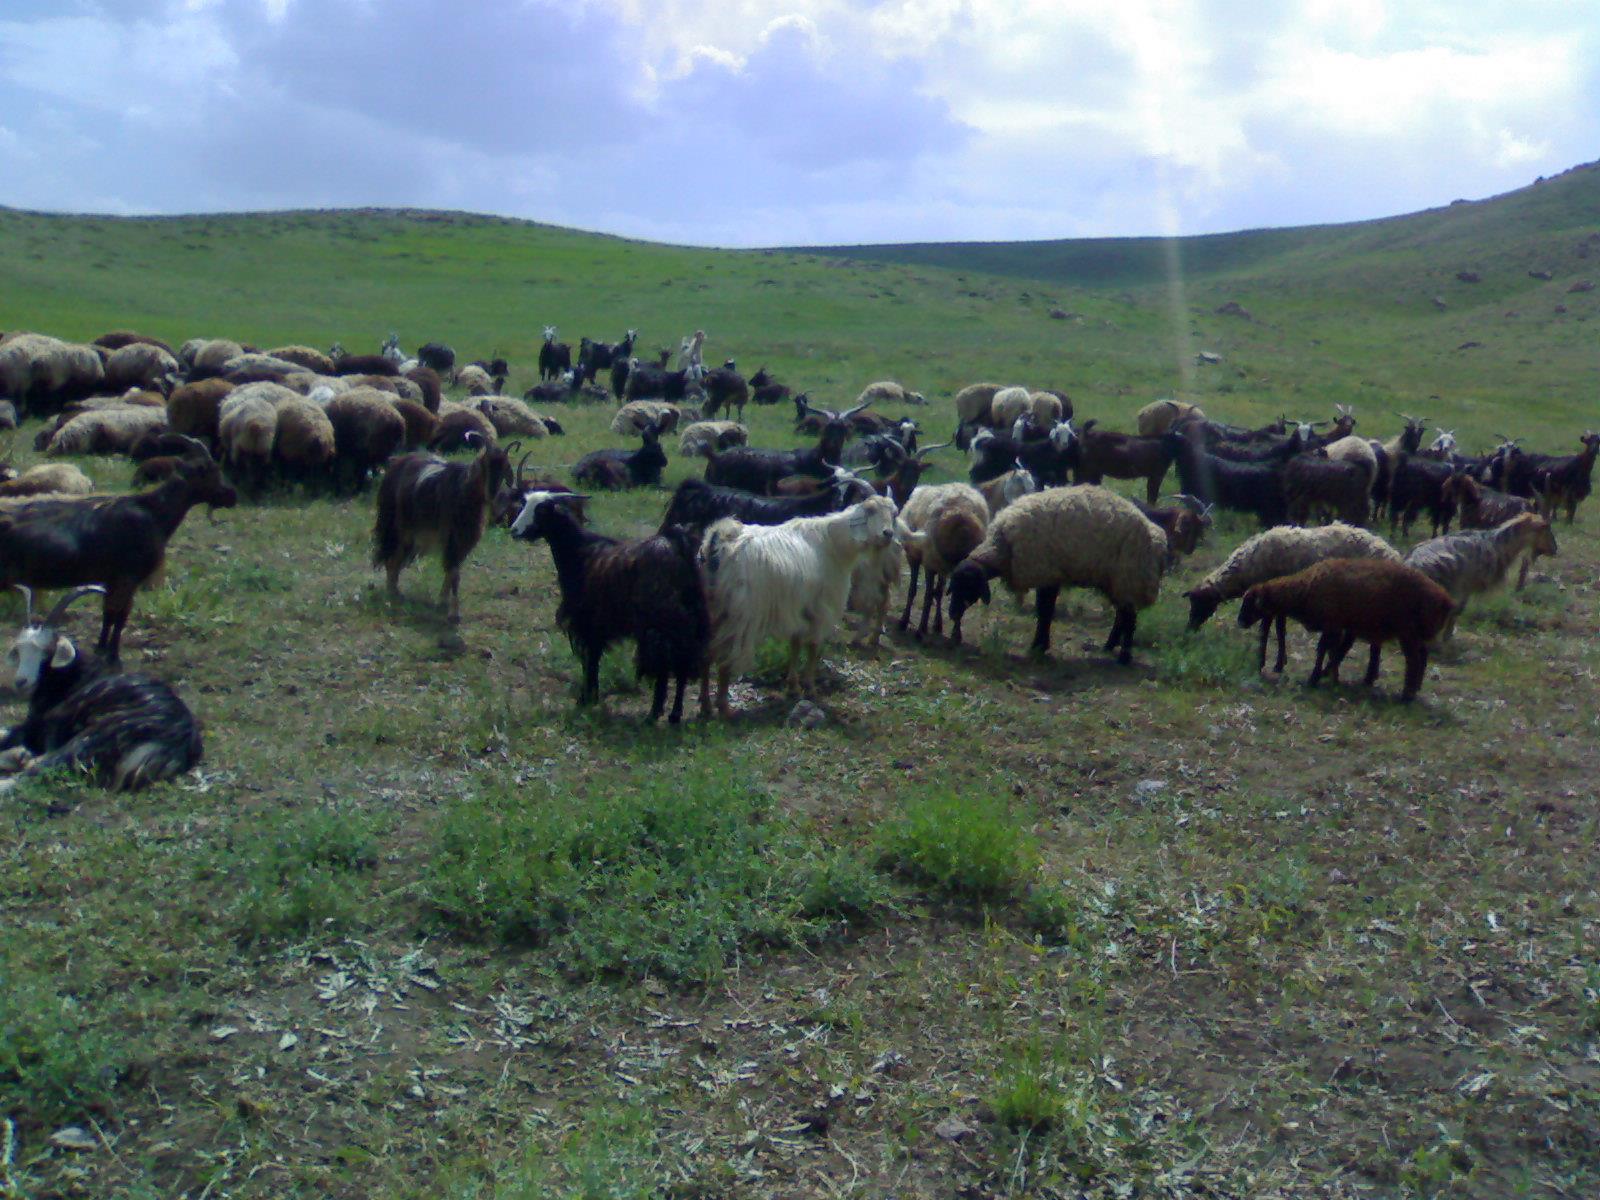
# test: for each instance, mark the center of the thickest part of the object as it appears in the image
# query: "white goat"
(783, 581)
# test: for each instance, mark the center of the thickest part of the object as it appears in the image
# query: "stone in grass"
(953, 1129)
(1149, 789)
(806, 715)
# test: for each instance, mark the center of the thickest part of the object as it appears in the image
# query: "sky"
(798, 122)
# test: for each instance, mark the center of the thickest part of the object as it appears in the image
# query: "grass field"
(420, 928)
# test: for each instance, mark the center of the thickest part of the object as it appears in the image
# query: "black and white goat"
(127, 730)
(554, 357)
(649, 591)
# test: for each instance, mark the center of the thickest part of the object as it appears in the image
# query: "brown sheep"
(193, 409)
(367, 432)
(421, 424)
(1349, 599)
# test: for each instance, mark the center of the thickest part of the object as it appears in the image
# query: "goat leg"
(591, 675)
(677, 698)
(1372, 664)
(659, 702)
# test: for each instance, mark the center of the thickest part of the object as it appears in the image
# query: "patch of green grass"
(54, 1064)
(301, 876)
(672, 874)
(965, 845)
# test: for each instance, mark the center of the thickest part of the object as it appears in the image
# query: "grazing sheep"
(206, 358)
(456, 422)
(247, 429)
(421, 425)
(788, 581)
(425, 503)
(194, 409)
(511, 417)
(888, 392)
(1275, 552)
(704, 437)
(1351, 599)
(367, 431)
(118, 338)
(947, 522)
(106, 430)
(305, 357)
(476, 380)
(140, 365)
(610, 469)
(1008, 404)
(974, 404)
(1067, 537)
(258, 368)
(127, 730)
(61, 479)
(41, 373)
(304, 446)
(649, 591)
(636, 416)
(1467, 564)
(1155, 418)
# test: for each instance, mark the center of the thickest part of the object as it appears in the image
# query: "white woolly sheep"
(1159, 416)
(1009, 404)
(106, 430)
(1468, 564)
(1081, 536)
(140, 365)
(705, 437)
(49, 479)
(209, 357)
(476, 380)
(788, 581)
(947, 522)
(1357, 450)
(887, 391)
(1280, 551)
(511, 418)
(247, 427)
(45, 372)
(636, 416)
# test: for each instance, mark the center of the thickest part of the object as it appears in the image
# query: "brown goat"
(426, 502)
(1480, 506)
(1104, 452)
(1350, 599)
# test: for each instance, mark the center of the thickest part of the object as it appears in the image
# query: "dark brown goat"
(118, 542)
(1480, 506)
(649, 591)
(1349, 599)
(1105, 452)
(1316, 485)
(1567, 482)
(425, 501)
(1184, 523)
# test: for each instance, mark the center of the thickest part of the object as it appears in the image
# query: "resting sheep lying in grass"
(1345, 600)
(1067, 537)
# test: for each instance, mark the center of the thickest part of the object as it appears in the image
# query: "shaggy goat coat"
(1467, 564)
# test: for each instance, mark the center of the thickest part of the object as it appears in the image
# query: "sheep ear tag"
(65, 652)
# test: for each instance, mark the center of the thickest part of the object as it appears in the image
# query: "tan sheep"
(636, 416)
(49, 478)
(140, 365)
(193, 408)
(107, 430)
(511, 418)
(314, 361)
(303, 446)
(1159, 416)
(947, 522)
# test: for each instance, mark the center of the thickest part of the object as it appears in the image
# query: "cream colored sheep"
(1067, 537)
(62, 479)
(107, 430)
(1005, 490)
(705, 437)
(947, 522)
(314, 361)
(1281, 551)
(303, 444)
(1159, 416)
(973, 403)
(511, 418)
(140, 365)
(476, 381)
(1478, 560)
(209, 357)
(887, 391)
(1009, 404)
(636, 416)
(247, 427)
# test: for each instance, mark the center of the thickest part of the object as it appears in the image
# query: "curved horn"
(466, 438)
(512, 446)
(1193, 503)
(850, 412)
(77, 593)
(932, 448)
(27, 596)
(522, 462)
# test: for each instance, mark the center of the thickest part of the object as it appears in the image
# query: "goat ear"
(64, 653)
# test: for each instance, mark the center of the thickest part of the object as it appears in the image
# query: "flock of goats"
(770, 544)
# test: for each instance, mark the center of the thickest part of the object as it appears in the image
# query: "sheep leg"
(1122, 632)
(911, 594)
(724, 709)
(791, 682)
(930, 602)
(1283, 648)
(1045, 606)
(1338, 647)
(1266, 632)
(1373, 658)
(1324, 645)
(1416, 652)
(937, 589)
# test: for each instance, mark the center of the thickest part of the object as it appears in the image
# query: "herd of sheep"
(772, 544)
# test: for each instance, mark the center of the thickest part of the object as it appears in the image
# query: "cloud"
(789, 121)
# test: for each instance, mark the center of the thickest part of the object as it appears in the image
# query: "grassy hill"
(1000, 926)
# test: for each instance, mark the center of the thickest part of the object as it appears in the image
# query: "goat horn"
(522, 462)
(850, 412)
(512, 446)
(27, 596)
(467, 437)
(77, 593)
(1193, 503)
(932, 448)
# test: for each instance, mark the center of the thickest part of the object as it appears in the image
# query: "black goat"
(726, 391)
(647, 381)
(554, 357)
(128, 730)
(1048, 458)
(1419, 483)
(1244, 487)
(425, 501)
(697, 504)
(118, 542)
(611, 591)
(759, 471)
(764, 389)
(437, 357)
(623, 468)
(594, 356)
